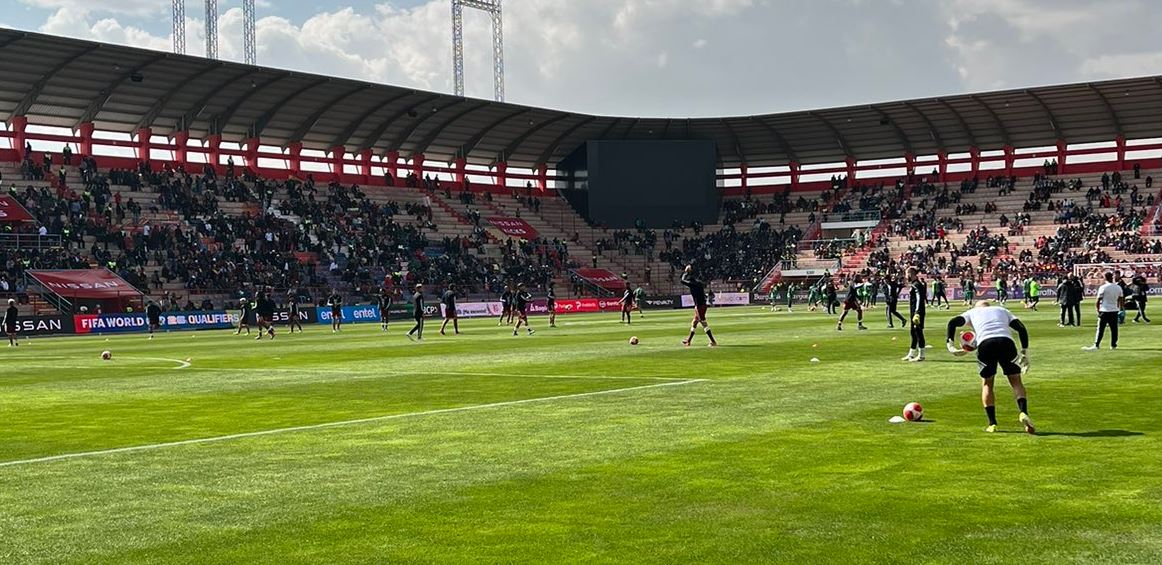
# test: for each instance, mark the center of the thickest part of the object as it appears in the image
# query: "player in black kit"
(551, 306)
(10, 316)
(626, 304)
(153, 314)
(384, 308)
(892, 298)
(418, 314)
(917, 310)
(264, 315)
(336, 304)
(698, 293)
(505, 305)
(449, 300)
(292, 307)
(521, 299)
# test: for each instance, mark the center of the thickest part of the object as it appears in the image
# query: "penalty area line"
(341, 423)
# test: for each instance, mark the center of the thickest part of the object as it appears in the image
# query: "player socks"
(1023, 405)
(991, 411)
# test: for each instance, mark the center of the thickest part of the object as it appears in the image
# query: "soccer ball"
(633, 340)
(913, 412)
(968, 341)
(106, 355)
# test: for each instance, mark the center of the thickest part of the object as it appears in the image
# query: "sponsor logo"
(176, 321)
(43, 325)
(720, 299)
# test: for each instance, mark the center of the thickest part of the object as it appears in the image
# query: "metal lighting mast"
(179, 27)
(211, 29)
(493, 9)
(248, 45)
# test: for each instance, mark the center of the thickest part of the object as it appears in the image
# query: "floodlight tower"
(493, 9)
(211, 29)
(248, 45)
(179, 27)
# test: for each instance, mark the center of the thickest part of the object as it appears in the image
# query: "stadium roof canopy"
(63, 82)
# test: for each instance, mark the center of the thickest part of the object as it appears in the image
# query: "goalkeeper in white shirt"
(995, 348)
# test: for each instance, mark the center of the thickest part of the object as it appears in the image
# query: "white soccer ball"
(106, 355)
(913, 412)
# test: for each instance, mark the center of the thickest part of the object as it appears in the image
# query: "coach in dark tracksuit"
(1077, 294)
(1064, 293)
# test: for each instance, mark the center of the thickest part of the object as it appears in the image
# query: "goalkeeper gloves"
(1023, 360)
(955, 350)
(915, 319)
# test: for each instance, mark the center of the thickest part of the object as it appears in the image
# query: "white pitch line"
(181, 364)
(311, 427)
(434, 373)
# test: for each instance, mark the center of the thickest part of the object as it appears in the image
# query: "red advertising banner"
(514, 227)
(603, 278)
(98, 284)
(11, 211)
(585, 305)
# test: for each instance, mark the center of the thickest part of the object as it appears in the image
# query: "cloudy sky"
(672, 58)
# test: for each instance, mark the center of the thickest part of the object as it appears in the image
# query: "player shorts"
(10, 327)
(1034, 299)
(450, 312)
(994, 352)
(551, 306)
(155, 321)
(337, 313)
(700, 313)
(852, 305)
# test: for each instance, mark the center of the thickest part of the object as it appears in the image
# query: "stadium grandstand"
(320, 183)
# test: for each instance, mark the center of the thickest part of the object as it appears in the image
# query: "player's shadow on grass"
(1097, 433)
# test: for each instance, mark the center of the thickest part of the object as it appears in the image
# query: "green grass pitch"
(573, 446)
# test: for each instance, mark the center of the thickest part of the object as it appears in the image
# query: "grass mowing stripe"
(338, 424)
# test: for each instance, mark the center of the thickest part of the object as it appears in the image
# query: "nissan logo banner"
(44, 325)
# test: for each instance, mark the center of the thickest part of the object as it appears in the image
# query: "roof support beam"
(839, 139)
(778, 137)
(99, 102)
(1048, 113)
(256, 129)
(407, 132)
(1114, 119)
(735, 146)
(158, 107)
(197, 107)
(996, 119)
(932, 131)
(629, 129)
(344, 137)
(470, 145)
(960, 119)
(423, 144)
(219, 121)
(609, 128)
(377, 134)
(552, 147)
(900, 134)
(34, 92)
(308, 123)
(507, 152)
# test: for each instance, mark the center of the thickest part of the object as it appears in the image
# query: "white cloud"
(130, 7)
(683, 57)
